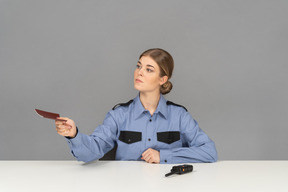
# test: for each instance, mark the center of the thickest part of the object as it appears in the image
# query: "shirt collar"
(161, 108)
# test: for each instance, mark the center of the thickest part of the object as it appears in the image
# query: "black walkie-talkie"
(180, 169)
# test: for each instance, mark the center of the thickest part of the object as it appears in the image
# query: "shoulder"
(122, 104)
(170, 103)
(120, 111)
(180, 112)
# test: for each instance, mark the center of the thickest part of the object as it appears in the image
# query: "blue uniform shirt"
(171, 130)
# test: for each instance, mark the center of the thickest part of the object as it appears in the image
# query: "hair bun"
(166, 87)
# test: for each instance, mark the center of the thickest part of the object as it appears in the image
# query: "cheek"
(135, 73)
(154, 81)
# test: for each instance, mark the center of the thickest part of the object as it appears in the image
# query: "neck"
(150, 101)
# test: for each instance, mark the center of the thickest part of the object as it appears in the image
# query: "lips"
(138, 81)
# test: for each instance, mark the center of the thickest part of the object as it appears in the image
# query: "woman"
(148, 128)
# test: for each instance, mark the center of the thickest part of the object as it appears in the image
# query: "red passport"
(48, 115)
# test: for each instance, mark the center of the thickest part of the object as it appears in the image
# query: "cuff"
(74, 140)
(75, 135)
(165, 156)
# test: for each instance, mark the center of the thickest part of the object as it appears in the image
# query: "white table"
(244, 176)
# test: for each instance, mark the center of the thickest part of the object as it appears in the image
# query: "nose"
(140, 72)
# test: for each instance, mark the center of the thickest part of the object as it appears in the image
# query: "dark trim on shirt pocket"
(130, 136)
(168, 136)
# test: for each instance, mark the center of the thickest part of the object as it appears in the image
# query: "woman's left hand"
(151, 156)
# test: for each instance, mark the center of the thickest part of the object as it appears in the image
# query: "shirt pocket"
(130, 136)
(168, 137)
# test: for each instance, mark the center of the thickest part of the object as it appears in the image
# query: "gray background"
(78, 57)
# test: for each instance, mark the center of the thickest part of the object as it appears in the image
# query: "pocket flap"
(168, 136)
(130, 136)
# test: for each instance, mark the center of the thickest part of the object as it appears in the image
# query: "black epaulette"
(122, 104)
(171, 103)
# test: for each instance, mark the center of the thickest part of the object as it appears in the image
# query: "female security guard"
(147, 128)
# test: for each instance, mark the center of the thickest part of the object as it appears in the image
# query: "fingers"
(63, 132)
(146, 154)
(148, 158)
(151, 156)
(65, 128)
(62, 125)
(64, 121)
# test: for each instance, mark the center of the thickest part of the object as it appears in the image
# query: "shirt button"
(149, 139)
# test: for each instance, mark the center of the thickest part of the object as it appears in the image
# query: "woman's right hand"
(66, 128)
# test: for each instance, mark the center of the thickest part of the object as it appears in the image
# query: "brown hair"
(165, 63)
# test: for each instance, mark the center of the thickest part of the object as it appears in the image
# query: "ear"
(163, 79)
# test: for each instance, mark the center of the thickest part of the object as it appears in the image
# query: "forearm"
(88, 148)
(205, 153)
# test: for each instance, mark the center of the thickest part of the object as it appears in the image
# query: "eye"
(138, 66)
(149, 70)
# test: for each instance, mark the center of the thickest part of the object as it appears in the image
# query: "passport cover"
(48, 115)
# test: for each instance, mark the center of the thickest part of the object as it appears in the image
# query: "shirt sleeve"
(200, 148)
(91, 147)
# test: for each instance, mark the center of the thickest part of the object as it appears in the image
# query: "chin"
(137, 88)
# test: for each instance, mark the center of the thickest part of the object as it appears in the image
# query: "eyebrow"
(147, 64)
